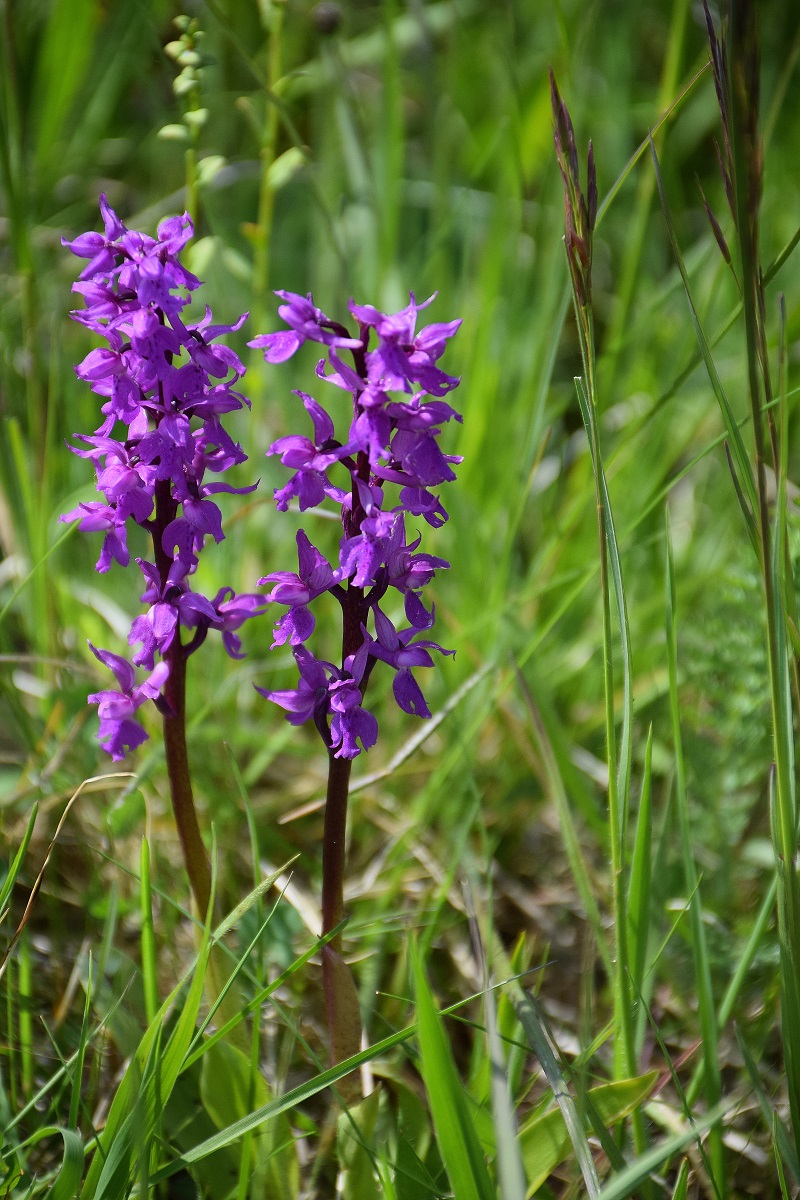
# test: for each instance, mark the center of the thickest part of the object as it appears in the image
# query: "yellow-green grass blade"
(148, 938)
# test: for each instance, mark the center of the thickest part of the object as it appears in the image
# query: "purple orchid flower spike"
(168, 383)
(392, 441)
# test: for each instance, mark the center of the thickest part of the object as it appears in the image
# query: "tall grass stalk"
(700, 956)
(581, 215)
(747, 165)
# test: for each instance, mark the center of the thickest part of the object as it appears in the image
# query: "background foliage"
(407, 146)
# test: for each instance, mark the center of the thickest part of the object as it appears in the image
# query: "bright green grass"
(411, 149)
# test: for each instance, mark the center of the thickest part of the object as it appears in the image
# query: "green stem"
(266, 195)
(625, 1058)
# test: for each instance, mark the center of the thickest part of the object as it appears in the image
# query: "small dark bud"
(719, 68)
(555, 98)
(726, 179)
(327, 16)
(564, 135)
(715, 228)
(574, 169)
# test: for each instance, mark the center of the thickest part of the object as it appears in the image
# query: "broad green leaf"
(413, 1181)
(544, 1139)
(230, 1089)
(284, 168)
(356, 1135)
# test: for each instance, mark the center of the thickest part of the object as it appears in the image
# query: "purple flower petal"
(122, 669)
(277, 347)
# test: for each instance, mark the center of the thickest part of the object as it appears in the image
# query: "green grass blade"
(19, 589)
(297, 1095)
(80, 1056)
(529, 1018)
(641, 150)
(639, 895)
(744, 474)
(119, 1131)
(630, 1180)
(625, 749)
(65, 56)
(743, 966)
(680, 1191)
(455, 1131)
(702, 966)
(68, 1179)
(148, 939)
(17, 861)
(782, 1139)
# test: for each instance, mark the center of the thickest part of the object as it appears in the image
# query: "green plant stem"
(192, 193)
(625, 1058)
(707, 1013)
(266, 196)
